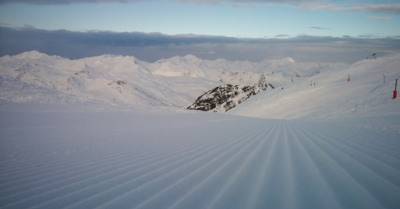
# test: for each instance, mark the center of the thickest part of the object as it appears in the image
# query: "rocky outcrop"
(224, 97)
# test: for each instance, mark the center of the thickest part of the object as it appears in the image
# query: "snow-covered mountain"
(302, 90)
(174, 82)
(328, 94)
(106, 78)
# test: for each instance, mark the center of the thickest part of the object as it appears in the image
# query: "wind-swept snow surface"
(60, 159)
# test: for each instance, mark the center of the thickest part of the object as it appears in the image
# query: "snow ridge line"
(225, 152)
(206, 179)
(229, 185)
(200, 161)
(146, 174)
(162, 147)
(372, 159)
(80, 183)
(326, 196)
(251, 141)
(360, 175)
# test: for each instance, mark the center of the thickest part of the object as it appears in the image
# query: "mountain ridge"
(178, 81)
(147, 83)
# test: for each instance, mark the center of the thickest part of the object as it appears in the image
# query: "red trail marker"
(395, 91)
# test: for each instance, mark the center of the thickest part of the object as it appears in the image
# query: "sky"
(306, 30)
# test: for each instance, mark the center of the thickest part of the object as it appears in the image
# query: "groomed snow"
(55, 156)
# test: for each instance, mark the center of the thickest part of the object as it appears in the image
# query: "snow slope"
(174, 82)
(51, 157)
(332, 96)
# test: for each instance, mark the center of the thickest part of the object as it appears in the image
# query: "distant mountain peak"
(283, 60)
(191, 57)
(31, 55)
(288, 59)
(108, 56)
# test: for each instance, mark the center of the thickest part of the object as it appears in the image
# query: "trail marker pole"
(348, 78)
(384, 81)
(395, 91)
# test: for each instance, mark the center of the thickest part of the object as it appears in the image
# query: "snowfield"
(54, 157)
(112, 132)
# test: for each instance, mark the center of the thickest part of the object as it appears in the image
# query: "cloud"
(65, 2)
(319, 28)
(380, 18)
(378, 8)
(294, 2)
(154, 46)
(236, 2)
(370, 35)
(322, 5)
(281, 36)
(27, 26)
(209, 52)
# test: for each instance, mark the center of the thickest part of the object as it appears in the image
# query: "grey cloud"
(65, 2)
(27, 26)
(380, 18)
(301, 3)
(243, 1)
(370, 35)
(319, 28)
(281, 35)
(378, 8)
(322, 5)
(154, 46)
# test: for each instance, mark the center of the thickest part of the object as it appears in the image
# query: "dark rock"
(224, 97)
